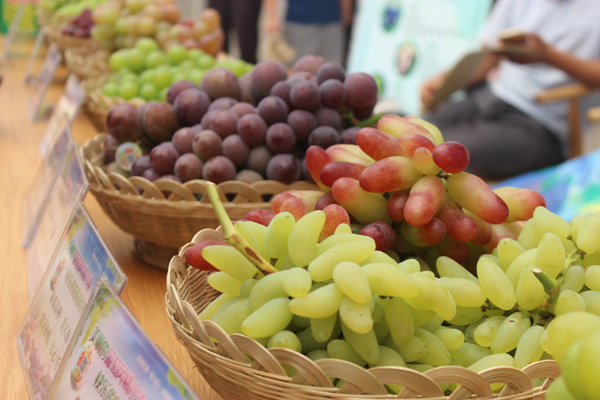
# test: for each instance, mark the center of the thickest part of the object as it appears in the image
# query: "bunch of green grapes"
(341, 298)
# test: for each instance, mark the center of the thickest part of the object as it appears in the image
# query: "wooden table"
(19, 159)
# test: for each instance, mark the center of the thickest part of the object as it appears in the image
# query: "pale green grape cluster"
(341, 298)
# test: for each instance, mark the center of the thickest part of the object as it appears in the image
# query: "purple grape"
(248, 176)
(328, 117)
(188, 167)
(364, 112)
(304, 173)
(140, 165)
(282, 90)
(280, 138)
(361, 89)
(183, 138)
(220, 82)
(110, 149)
(224, 103)
(190, 106)
(151, 175)
(349, 135)
(264, 76)
(207, 144)
(302, 122)
(258, 158)
(170, 177)
(246, 91)
(177, 88)
(272, 109)
(160, 122)
(324, 136)
(124, 123)
(284, 168)
(222, 122)
(252, 128)
(331, 70)
(241, 109)
(235, 149)
(163, 158)
(333, 93)
(219, 169)
(309, 63)
(305, 95)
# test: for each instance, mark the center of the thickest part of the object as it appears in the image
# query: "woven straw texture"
(162, 224)
(87, 62)
(54, 34)
(238, 367)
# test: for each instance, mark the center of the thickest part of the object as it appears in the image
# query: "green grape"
(321, 268)
(571, 369)
(276, 236)
(342, 350)
(465, 293)
(592, 301)
(466, 316)
(308, 341)
(590, 259)
(269, 319)
(338, 239)
(136, 60)
(409, 266)
(560, 332)
(421, 317)
(186, 64)
(592, 277)
(320, 303)
(323, 328)
(128, 90)
(148, 91)
(230, 261)
(195, 75)
(110, 89)
(297, 282)
(259, 231)
(382, 331)
(302, 241)
(546, 346)
(118, 60)
(248, 235)
(212, 308)
(509, 333)
(225, 306)
(268, 288)
(388, 280)
(470, 331)
(162, 94)
(434, 324)
(569, 301)
(129, 77)
(176, 54)
(495, 284)
(469, 353)
(412, 350)
(300, 322)
(231, 319)
(316, 355)
(449, 268)
(529, 349)
(147, 77)
(356, 316)
(514, 271)
(399, 319)
(574, 279)
(285, 340)
(341, 229)
(206, 61)
(389, 358)
(576, 223)
(365, 344)
(486, 332)
(247, 286)
(437, 355)
(508, 249)
(434, 296)
(224, 283)
(284, 263)
(558, 390)
(451, 338)
(379, 257)
(550, 256)
(546, 221)
(530, 291)
(378, 313)
(528, 238)
(162, 77)
(495, 360)
(178, 76)
(352, 281)
(588, 238)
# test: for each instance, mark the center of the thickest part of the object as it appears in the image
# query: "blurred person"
(242, 16)
(312, 26)
(505, 130)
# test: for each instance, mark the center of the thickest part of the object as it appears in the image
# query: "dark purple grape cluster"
(79, 26)
(206, 132)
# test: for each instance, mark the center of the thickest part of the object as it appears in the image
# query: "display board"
(78, 262)
(110, 356)
(402, 43)
(38, 110)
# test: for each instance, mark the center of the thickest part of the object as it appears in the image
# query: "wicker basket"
(54, 34)
(162, 225)
(231, 373)
(87, 62)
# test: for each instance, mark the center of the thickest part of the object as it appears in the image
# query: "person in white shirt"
(506, 131)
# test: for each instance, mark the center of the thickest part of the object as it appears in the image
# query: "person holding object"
(312, 26)
(534, 45)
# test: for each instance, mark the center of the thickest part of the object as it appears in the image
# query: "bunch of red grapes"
(80, 26)
(252, 128)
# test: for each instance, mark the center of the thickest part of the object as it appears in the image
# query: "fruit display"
(79, 26)
(63, 10)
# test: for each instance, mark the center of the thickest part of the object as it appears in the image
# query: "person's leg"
(450, 114)
(304, 38)
(224, 9)
(245, 15)
(331, 42)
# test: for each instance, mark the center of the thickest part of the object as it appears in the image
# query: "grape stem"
(231, 234)
(551, 287)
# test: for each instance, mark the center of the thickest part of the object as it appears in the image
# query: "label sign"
(110, 356)
(37, 110)
(68, 105)
(29, 78)
(12, 30)
(37, 195)
(68, 283)
(70, 187)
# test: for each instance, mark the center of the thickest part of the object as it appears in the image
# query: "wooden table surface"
(19, 159)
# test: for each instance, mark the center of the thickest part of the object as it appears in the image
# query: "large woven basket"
(238, 367)
(87, 62)
(161, 225)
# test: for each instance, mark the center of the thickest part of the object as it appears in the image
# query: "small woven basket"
(240, 368)
(54, 34)
(87, 62)
(162, 224)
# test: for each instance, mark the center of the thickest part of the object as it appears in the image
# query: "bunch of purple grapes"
(252, 128)
(79, 26)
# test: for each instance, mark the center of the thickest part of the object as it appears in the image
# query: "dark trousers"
(502, 141)
(241, 15)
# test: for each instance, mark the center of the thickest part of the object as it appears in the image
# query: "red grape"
(177, 88)
(235, 149)
(207, 144)
(193, 255)
(324, 136)
(222, 122)
(305, 95)
(284, 168)
(361, 89)
(160, 122)
(220, 82)
(190, 106)
(258, 159)
(241, 109)
(382, 233)
(219, 169)
(349, 135)
(252, 128)
(302, 122)
(331, 70)
(140, 165)
(183, 139)
(163, 158)
(272, 109)
(264, 76)
(280, 138)
(333, 93)
(309, 63)
(124, 123)
(223, 103)
(188, 167)
(282, 90)
(328, 117)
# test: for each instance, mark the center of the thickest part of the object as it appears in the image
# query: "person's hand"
(273, 25)
(430, 88)
(533, 47)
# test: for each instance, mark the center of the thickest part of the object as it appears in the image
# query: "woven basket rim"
(226, 358)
